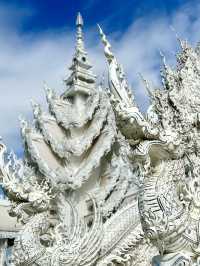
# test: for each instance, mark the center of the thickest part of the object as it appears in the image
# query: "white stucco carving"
(168, 153)
(103, 184)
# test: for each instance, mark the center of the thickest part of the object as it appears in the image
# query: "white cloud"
(27, 60)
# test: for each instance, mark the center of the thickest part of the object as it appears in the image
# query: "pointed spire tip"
(79, 20)
(99, 27)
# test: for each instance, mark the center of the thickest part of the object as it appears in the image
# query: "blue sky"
(37, 44)
(114, 14)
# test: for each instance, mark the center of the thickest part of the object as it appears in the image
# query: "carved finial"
(117, 82)
(163, 59)
(147, 86)
(79, 33)
(166, 73)
(23, 125)
(23, 121)
(48, 91)
(107, 46)
(36, 108)
(79, 20)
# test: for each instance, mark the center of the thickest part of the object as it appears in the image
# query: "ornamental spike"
(79, 33)
(48, 91)
(36, 108)
(163, 59)
(23, 125)
(79, 20)
(107, 46)
(146, 85)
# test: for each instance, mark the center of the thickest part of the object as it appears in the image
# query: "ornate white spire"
(79, 33)
(81, 79)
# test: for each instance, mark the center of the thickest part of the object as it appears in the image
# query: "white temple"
(100, 182)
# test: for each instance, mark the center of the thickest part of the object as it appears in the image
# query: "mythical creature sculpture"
(74, 192)
(165, 142)
(54, 232)
(92, 152)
